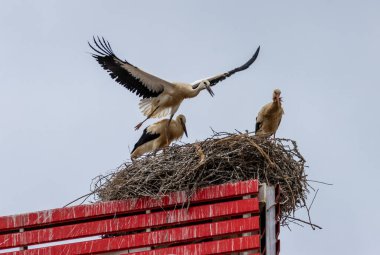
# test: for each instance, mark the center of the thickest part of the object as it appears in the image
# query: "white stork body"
(159, 97)
(269, 118)
(169, 101)
(160, 135)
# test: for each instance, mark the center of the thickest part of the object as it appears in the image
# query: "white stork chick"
(269, 118)
(159, 97)
(159, 135)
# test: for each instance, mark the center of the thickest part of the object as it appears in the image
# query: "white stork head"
(276, 95)
(182, 120)
(205, 84)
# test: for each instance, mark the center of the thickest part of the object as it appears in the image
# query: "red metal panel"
(129, 223)
(77, 213)
(225, 246)
(171, 236)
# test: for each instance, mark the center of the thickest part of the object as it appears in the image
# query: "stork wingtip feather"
(256, 53)
(96, 50)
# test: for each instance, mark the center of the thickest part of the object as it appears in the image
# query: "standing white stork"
(269, 118)
(159, 97)
(160, 135)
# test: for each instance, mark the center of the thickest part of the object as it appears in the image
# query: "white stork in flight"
(159, 97)
(269, 118)
(159, 135)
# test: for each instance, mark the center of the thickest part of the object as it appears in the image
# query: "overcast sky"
(63, 120)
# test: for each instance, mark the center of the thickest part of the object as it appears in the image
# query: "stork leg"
(150, 115)
(167, 129)
(272, 137)
(167, 136)
(170, 119)
(157, 150)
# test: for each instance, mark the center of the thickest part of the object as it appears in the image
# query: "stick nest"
(220, 159)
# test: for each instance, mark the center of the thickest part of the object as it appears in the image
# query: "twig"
(313, 199)
(87, 195)
(330, 184)
(305, 222)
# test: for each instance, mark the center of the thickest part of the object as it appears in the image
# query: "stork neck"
(195, 92)
(275, 106)
(176, 130)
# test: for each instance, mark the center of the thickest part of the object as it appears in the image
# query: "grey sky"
(63, 120)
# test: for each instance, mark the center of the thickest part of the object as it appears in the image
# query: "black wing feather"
(258, 126)
(145, 137)
(112, 64)
(238, 69)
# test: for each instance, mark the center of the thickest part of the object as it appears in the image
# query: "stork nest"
(220, 159)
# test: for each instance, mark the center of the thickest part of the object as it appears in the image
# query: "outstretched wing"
(220, 77)
(131, 77)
